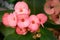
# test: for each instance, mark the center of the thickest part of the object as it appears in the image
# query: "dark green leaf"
(6, 30)
(46, 35)
(29, 36)
(11, 1)
(19, 37)
(12, 37)
(50, 25)
(36, 6)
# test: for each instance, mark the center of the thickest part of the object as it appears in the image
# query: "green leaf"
(19, 37)
(29, 36)
(12, 37)
(6, 30)
(11, 1)
(46, 35)
(36, 6)
(50, 25)
(2, 13)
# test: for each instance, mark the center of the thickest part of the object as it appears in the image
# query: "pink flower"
(42, 17)
(34, 18)
(21, 31)
(57, 22)
(12, 20)
(4, 19)
(21, 5)
(23, 11)
(54, 15)
(48, 8)
(55, 18)
(57, 9)
(54, 2)
(23, 21)
(22, 8)
(33, 27)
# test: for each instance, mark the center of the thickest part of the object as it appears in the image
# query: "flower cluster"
(52, 8)
(21, 19)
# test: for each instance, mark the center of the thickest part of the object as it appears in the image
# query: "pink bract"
(34, 23)
(23, 11)
(22, 8)
(21, 31)
(42, 18)
(55, 2)
(21, 5)
(57, 22)
(23, 21)
(48, 8)
(12, 20)
(33, 27)
(5, 19)
(57, 9)
(55, 18)
(34, 18)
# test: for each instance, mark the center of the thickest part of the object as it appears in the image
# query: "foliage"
(36, 6)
